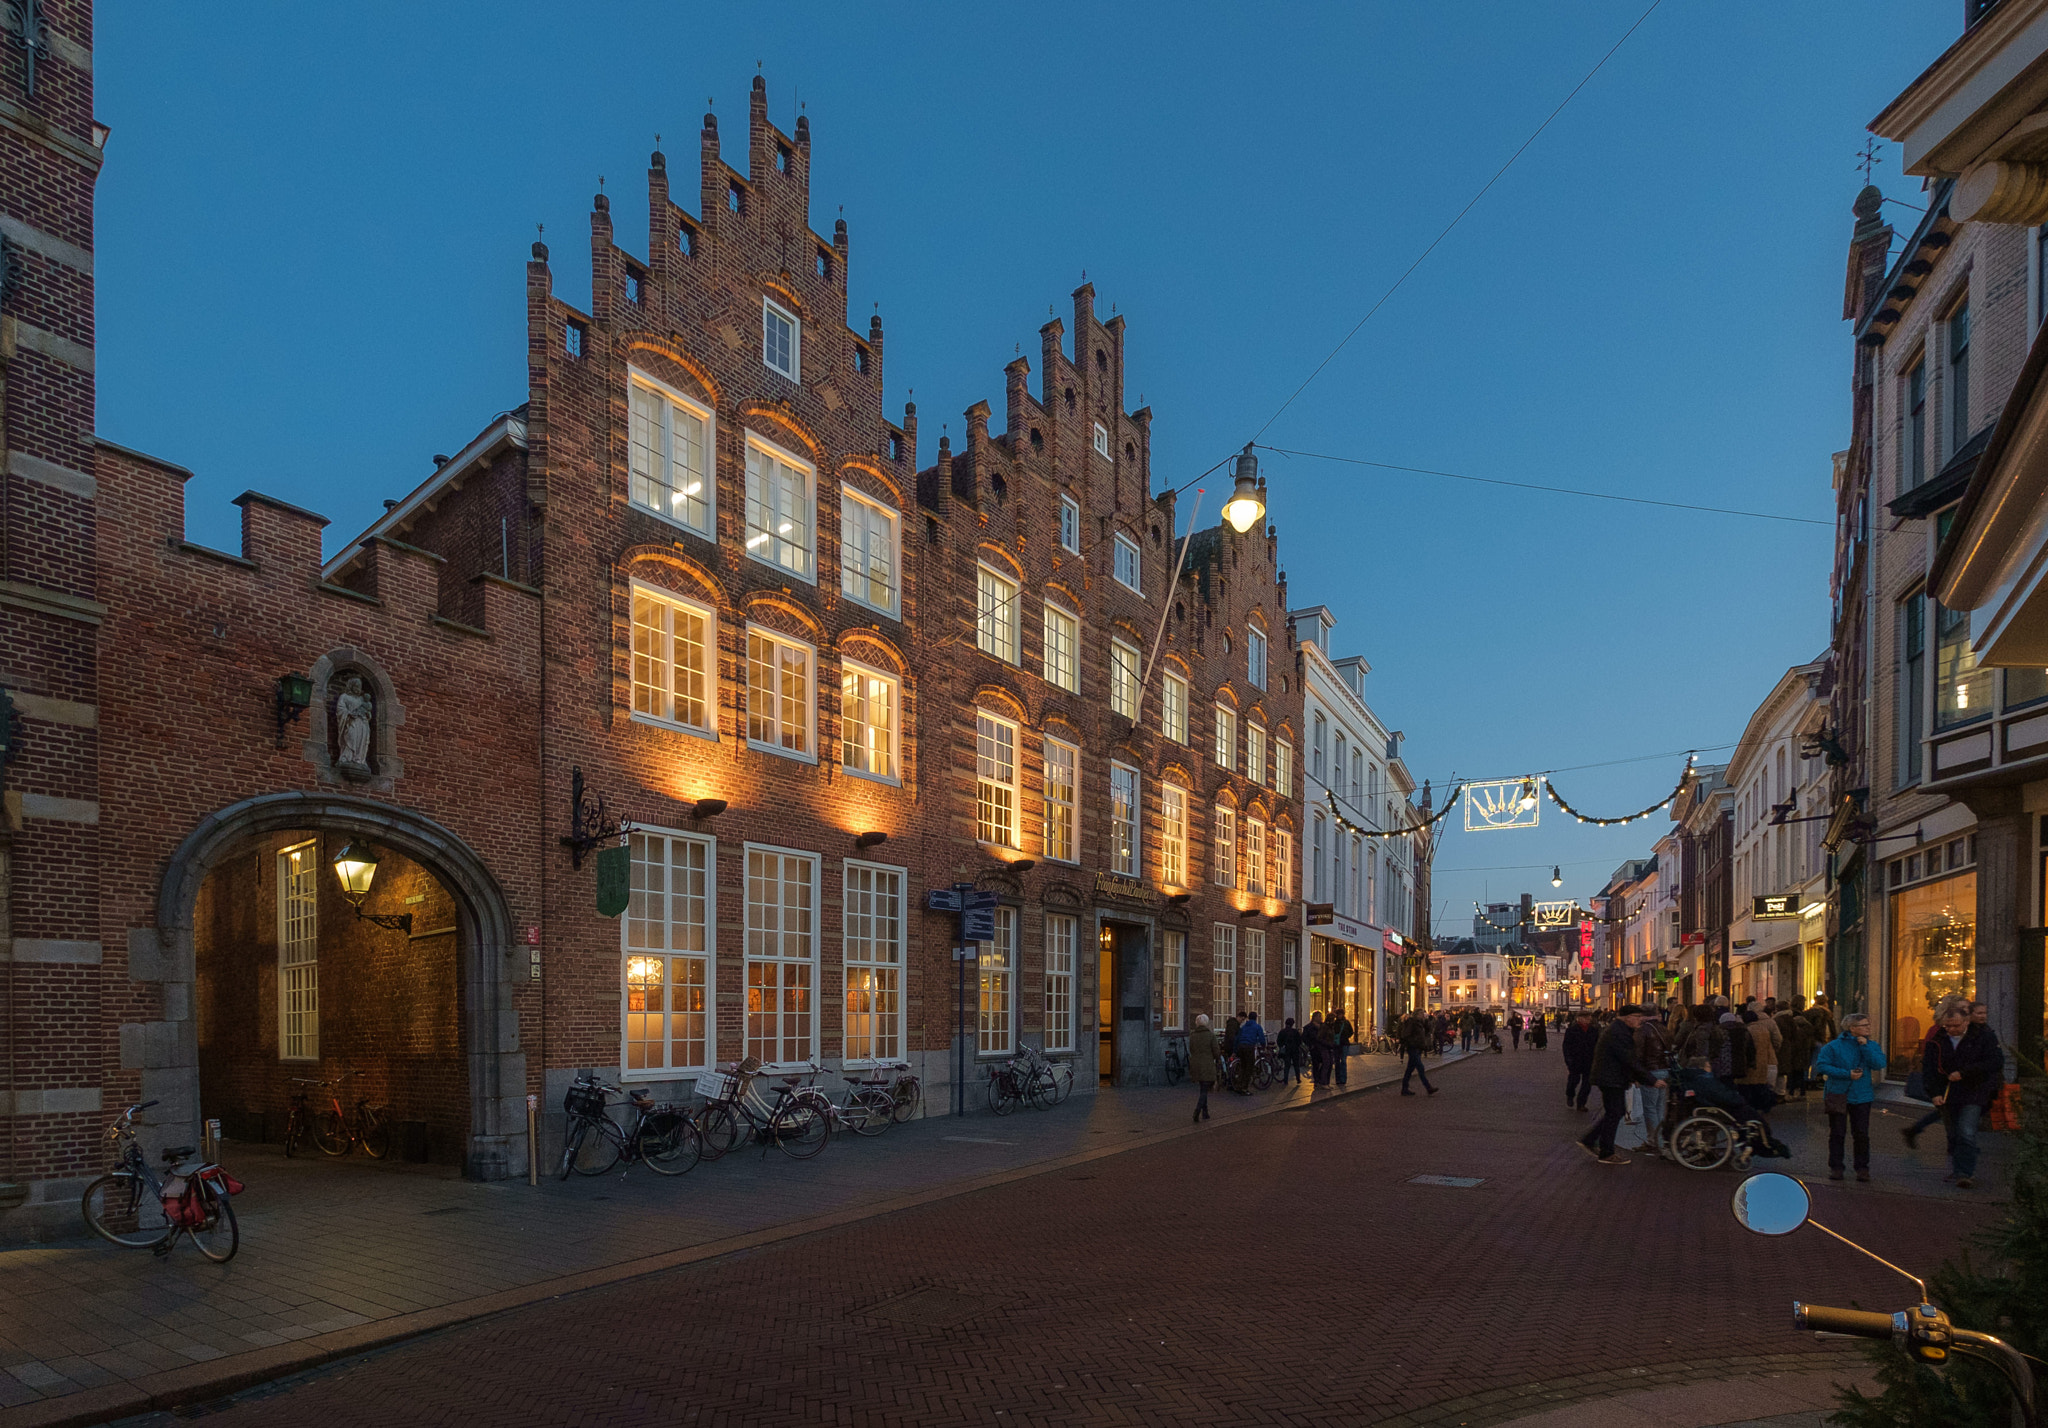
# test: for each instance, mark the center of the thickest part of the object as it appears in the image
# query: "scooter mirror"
(1771, 1204)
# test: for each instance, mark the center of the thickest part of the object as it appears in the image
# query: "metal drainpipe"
(13, 1189)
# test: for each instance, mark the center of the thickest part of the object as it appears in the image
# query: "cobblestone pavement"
(1282, 1269)
(338, 1255)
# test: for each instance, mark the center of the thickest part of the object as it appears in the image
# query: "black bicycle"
(1176, 1059)
(661, 1135)
(798, 1122)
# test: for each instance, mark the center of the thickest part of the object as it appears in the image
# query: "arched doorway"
(297, 834)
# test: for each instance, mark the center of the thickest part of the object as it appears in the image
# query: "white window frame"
(1125, 546)
(991, 760)
(639, 941)
(1126, 810)
(995, 1029)
(638, 482)
(1173, 995)
(1253, 974)
(1319, 868)
(997, 630)
(298, 952)
(1062, 648)
(771, 308)
(1224, 859)
(869, 676)
(1062, 938)
(761, 511)
(1283, 768)
(1124, 665)
(1173, 835)
(1252, 876)
(1255, 656)
(1101, 439)
(1223, 990)
(1226, 737)
(863, 918)
(809, 753)
(1283, 864)
(1173, 708)
(1062, 815)
(1255, 751)
(663, 693)
(853, 584)
(1070, 525)
(805, 1042)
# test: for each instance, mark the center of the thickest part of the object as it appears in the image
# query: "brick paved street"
(1286, 1268)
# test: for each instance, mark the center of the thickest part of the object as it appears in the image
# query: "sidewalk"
(339, 1256)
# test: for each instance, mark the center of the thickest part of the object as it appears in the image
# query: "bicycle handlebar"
(1862, 1323)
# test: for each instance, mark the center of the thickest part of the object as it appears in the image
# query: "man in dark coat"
(1417, 1036)
(1963, 1069)
(1616, 1067)
(1796, 1052)
(1289, 1043)
(1579, 1040)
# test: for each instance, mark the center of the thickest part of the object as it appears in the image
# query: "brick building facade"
(697, 573)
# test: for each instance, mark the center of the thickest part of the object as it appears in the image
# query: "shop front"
(1933, 927)
(1343, 972)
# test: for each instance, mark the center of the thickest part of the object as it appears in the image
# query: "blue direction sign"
(972, 900)
(978, 924)
(943, 900)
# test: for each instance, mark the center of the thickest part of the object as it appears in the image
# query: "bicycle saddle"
(789, 1080)
(181, 1152)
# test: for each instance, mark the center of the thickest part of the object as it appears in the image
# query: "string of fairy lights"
(1359, 831)
(1659, 806)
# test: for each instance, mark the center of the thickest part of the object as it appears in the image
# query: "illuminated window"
(1126, 568)
(1173, 708)
(996, 971)
(674, 647)
(1962, 688)
(1225, 860)
(995, 780)
(779, 509)
(782, 955)
(1061, 934)
(1222, 970)
(669, 455)
(298, 952)
(867, 722)
(1062, 838)
(873, 943)
(867, 551)
(779, 702)
(1283, 768)
(1255, 752)
(1283, 863)
(995, 620)
(1062, 654)
(1173, 989)
(1123, 820)
(666, 936)
(1255, 970)
(781, 339)
(1252, 877)
(1123, 679)
(1173, 835)
(1226, 736)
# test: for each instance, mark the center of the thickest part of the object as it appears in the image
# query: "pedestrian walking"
(1289, 1044)
(1579, 1040)
(1250, 1037)
(1468, 1023)
(1616, 1067)
(1796, 1051)
(1416, 1037)
(1340, 1031)
(1202, 1064)
(1515, 1029)
(1317, 1037)
(1226, 1068)
(1848, 1066)
(1539, 1033)
(1653, 1049)
(1760, 1082)
(1963, 1070)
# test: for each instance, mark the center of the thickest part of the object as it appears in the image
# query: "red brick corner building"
(694, 598)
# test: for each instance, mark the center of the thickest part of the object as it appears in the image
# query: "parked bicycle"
(869, 1108)
(798, 1121)
(337, 1132)
(907, 1090)
(662, 1135)
(131, 1206)
(1054, 1080)
(1176, 1057)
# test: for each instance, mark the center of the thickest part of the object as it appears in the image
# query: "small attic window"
(1130, 452)
(1070, 398)
(782, 158)
(823, 265)
(632, 288)
(733, 197)
(999, 485)
(1101, 360)
(686, 240)
(895, 447)
(572, 338)
(860, 358)
(1155, 537)
(1101, 439)
(1037, 440)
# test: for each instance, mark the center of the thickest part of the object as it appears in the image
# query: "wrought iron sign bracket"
(590, 823)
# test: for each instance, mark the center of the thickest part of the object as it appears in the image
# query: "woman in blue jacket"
(1850, 1063)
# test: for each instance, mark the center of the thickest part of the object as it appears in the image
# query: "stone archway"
(496, 1064)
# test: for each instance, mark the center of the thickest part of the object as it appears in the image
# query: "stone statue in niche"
(355, 718)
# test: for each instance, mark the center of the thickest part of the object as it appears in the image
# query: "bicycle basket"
(584, 1101)
(717, 1086)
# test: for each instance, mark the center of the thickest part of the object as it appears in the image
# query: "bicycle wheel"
(669, 1143)
(1175, 1069)
(800, 1128)
(599, 1150)
(220, 1236)
(572, 1139)
(873, 1111)
(330, 1133)
(1002, 1095)
(125, 1209)
(1262, 1075)
(908, 1093)
(1702, 1143)
(376, 1132)
(294, 1128)
(718, 1128)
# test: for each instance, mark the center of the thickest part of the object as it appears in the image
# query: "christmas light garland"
(1662, 803)
(1352, 828)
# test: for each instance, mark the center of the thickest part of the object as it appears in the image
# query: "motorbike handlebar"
(1862, 1323)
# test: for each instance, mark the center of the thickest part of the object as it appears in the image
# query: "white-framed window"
(867, 551)
(1255, 969)
(1061, 935)
(1357, 874)
(995, 780)
(1123, 819)
(675, 660)
(670, 455)
(1318, 727)
(1174, 707)
(1173, 981)
(1222, 970)
(1126, 567)
(780, 707)
(1173, 835)
(1101, 439)
(1283, 768)
(1062, 796)
(1062, 648)
(1255, 751)
(873, 944)
(996, 1005)
(1255, 656)
(1224, 869)
(1372, 886)
(782, 955)
(995, 616)
(1226, 736)
(1283, 863)
(1318, 858)
(1070, 525)
(781, 509)
(1340, 886)
(666, 946)
(1123, 678)
(1254, 875)
(298, 952)
(1290, 959)
(782, 338)
(868, 726)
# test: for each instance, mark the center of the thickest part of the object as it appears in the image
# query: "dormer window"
(781, 339)
(1101, 439)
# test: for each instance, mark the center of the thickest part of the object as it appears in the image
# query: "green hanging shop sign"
(614, 880)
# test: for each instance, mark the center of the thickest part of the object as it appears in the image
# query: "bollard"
(532, 1140)
(209, 1141)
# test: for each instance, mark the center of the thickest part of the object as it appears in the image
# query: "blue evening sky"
(313, 225)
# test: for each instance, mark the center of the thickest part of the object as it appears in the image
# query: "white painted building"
(1777, 938)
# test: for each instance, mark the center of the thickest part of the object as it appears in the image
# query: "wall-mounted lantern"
(356, 866)
(294, 697)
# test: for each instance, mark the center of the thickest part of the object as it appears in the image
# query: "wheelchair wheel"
(1702, 1143)
(1743, 1155)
